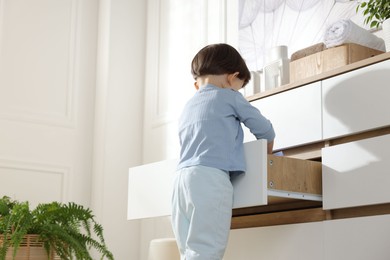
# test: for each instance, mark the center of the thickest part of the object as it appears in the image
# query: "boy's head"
(219, 59)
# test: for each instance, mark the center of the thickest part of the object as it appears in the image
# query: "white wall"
(71, 106)
(118, 118)
(47, 77)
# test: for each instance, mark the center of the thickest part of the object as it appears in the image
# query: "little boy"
(211, 140)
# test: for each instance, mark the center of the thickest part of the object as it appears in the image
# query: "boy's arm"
(270, 147)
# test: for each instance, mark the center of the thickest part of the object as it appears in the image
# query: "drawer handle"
(271, 184)
(271, 162)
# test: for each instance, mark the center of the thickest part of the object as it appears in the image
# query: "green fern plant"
(15, 221)
(374, 11)
(68, 229)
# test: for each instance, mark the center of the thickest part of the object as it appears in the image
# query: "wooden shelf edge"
(308, 215)
(361, 211)
(277, 206)
(279, 218)
(312, 151)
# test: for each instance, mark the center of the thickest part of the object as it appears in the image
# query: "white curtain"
(298, 24)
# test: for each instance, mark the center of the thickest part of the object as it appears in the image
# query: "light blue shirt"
(210, 131)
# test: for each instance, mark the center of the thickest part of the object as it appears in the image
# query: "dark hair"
(218, 59)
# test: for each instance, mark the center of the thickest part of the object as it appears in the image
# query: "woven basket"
(30, 249)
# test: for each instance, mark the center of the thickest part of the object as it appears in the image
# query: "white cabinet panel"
(358, 238)
(295, 115)
(283, 242)
(356, 173)
(357, 101)
(150, 188)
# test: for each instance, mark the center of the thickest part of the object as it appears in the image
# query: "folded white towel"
(345, 31)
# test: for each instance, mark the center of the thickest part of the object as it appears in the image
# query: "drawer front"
(357, 238)
(356, 173)
(356, 101)
(150, 189)
(295, 115)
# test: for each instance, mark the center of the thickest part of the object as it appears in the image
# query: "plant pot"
(386, 33)
(30, 249)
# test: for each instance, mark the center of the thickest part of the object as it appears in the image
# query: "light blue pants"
(201, 212)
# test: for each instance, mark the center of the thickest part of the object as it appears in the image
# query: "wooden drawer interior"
(294, 178)
(292, 184)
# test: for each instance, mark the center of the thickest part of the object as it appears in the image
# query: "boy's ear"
(196, 85)
(230, 77)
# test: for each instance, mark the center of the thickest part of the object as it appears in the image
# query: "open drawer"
(269, 179)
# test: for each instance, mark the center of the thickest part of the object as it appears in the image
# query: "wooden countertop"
(325, 75)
